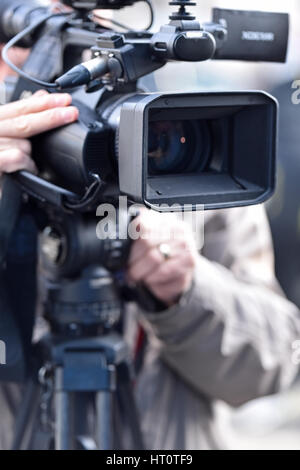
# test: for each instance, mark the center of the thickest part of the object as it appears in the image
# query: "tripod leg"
(63, 438)
(23, 417)
(128, 408)
(104, 420)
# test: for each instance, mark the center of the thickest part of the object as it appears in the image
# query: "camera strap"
(48, 193)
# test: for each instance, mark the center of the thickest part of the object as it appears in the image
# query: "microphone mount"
(182, 14)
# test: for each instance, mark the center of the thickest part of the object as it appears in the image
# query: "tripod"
(83, 368)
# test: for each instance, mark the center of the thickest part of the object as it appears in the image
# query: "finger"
(14, 160)
(142, 247)
(33, 124)
(41, 93)
(153, 231)
(139, 249)
(23, 144)
(145, 266)
(35, 104)
(171, 269)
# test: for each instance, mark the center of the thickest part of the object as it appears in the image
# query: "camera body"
(214, 150)
(169, 150)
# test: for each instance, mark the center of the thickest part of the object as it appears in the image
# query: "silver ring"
(165, 251)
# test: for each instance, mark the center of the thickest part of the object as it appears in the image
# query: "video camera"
(216, 150)
(212, 149)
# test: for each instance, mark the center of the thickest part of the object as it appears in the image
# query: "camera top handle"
(124, 58)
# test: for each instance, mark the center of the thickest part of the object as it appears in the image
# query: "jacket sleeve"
(231, 337)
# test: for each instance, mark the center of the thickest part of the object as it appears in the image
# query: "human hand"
(25, 118)
(18, 56)
(164, 256)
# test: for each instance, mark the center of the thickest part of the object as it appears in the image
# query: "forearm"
(229, 339)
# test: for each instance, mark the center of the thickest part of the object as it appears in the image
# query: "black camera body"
(219, 149)
(214, 150)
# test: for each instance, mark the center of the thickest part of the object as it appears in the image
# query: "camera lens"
(176, 147)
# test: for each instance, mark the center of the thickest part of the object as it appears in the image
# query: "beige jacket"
(230, 339)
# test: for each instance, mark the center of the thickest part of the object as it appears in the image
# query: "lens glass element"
(176, 147)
